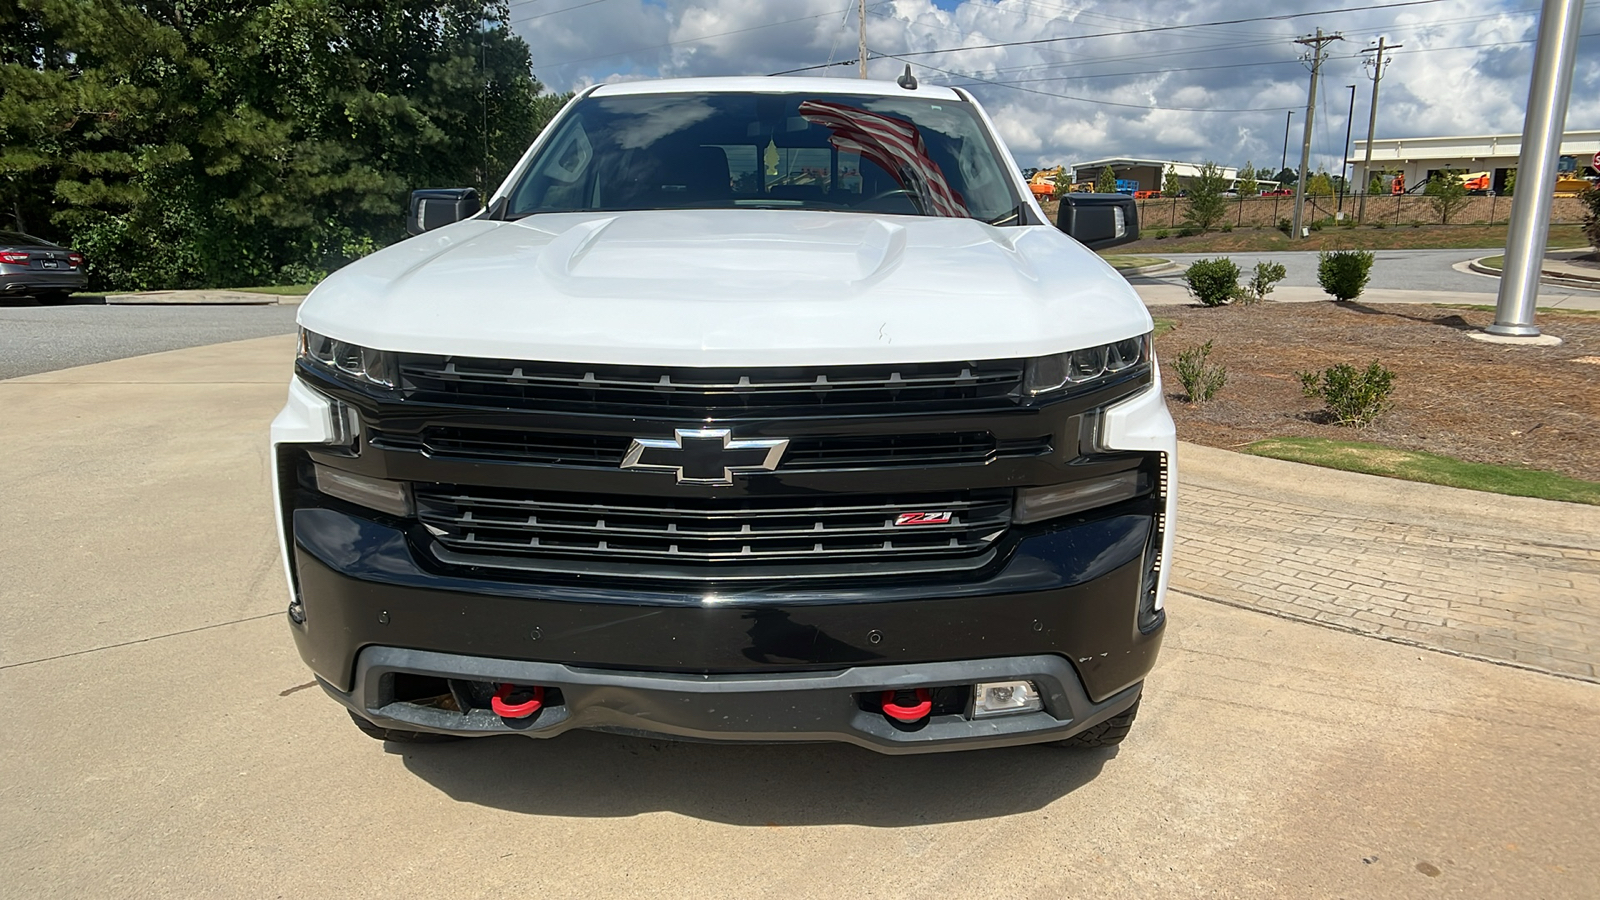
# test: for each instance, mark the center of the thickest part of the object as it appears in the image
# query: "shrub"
(1344, 273)
(1315, 224)
(1261, 283)
(1591, 216)
(1213, 282)
(1379, 225)
(1161, 234)
(1188, 231)
(1201, 378)
(1285, 226)
(1352, 396)
(1227, 229)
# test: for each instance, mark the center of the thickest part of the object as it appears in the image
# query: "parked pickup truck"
(753, 409)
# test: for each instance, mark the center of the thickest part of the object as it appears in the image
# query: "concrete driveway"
(161, 738)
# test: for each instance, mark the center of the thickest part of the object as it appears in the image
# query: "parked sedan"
(34, 266)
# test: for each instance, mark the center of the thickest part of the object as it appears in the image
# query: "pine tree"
(1107, 182)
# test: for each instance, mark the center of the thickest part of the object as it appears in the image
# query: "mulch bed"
(1537, 407)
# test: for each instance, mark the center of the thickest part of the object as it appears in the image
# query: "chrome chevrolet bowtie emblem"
(705, 455)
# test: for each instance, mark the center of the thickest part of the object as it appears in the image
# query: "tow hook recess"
(908, 706)
(505, 707)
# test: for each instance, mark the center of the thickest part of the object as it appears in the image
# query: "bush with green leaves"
(1161, 234)
(1591, 215)
(1344, 273)
(1214, 282)
(1201, 378)
(1353, 396)
(1266, 276)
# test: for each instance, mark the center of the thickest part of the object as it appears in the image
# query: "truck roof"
(756, 84)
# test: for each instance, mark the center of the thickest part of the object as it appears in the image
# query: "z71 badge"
(923, 518)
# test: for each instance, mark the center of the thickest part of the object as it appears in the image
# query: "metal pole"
(1379, 61)
(861, 45)
(1311, 115)
(1285, 163)
(1344, 169)
(1559, 23)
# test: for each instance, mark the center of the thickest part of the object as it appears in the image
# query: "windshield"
(893, 155)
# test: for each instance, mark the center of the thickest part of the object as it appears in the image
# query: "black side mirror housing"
(437, 207)
(1099, 220)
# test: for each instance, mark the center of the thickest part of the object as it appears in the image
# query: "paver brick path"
(1531, 605)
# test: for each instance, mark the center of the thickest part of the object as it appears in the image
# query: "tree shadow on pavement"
(589, 774)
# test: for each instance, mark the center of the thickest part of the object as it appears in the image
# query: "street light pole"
(1548, 89)
(1285, 163)
(1344, 171)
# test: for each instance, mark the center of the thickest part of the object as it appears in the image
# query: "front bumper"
(801, 706)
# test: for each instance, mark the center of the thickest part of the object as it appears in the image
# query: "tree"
(1319, 185)
(1207, 206)
(1063, 181)
(1446, 194)
(214, 142)
(1511, 183)
(1376, 185)
(1107, 182)
(1248, 186)
(1591, 216)
(1170, 187)
(1286, 178)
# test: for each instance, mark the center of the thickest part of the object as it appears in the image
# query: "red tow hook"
(915, 712)
(502, 705)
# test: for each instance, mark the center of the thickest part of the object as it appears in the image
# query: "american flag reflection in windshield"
(894, 145)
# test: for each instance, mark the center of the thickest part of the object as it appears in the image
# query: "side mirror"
(1099, 220)
(437, 207)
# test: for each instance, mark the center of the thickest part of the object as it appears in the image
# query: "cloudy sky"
(1218, 92)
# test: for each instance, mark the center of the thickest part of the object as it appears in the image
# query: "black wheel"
(52, 298)
(377, 732)
(1108, 733)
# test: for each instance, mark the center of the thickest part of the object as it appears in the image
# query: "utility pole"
(1317, 56)
(1377, 62)
(861, 45)
(1344, 169)
(1548, 89)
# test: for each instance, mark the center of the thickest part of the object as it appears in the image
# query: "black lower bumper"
(800, 706)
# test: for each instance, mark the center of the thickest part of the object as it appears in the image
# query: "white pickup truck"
(757, 409)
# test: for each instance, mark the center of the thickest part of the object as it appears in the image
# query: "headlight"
(1081, 367)
(375, 367)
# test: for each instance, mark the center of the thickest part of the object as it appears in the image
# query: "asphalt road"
(46, 338)
(1406, 270)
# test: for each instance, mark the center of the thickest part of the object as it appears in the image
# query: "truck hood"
(729, 287)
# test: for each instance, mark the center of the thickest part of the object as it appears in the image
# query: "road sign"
(1596, 159)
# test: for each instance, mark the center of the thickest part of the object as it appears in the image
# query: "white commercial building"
(1418, 158)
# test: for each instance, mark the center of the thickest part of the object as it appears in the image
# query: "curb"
(1156, 269)
(1560, 278)
(200, 298)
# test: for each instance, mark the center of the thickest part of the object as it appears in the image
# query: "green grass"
(282, 290)
(1430, 468)
(1164, 325)
(1493, 262)
(1120, 261)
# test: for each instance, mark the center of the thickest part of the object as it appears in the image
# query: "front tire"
(399, 736)
(1107, 734)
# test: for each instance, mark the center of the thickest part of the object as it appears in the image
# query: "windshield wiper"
(1006, 218)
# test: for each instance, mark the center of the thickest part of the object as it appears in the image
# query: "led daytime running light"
(375, 367)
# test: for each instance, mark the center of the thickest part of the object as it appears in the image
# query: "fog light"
(392, 497)
(997, 698)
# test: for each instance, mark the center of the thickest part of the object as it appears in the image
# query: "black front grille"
(818, 453)
(843, 531)
(511, 384)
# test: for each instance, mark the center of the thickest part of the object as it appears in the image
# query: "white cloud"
(1430, 88)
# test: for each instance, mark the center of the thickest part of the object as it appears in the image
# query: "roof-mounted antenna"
(906, 79)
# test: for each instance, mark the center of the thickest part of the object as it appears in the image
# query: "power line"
(1089, 99)
(555, 11)
(1082, 37)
